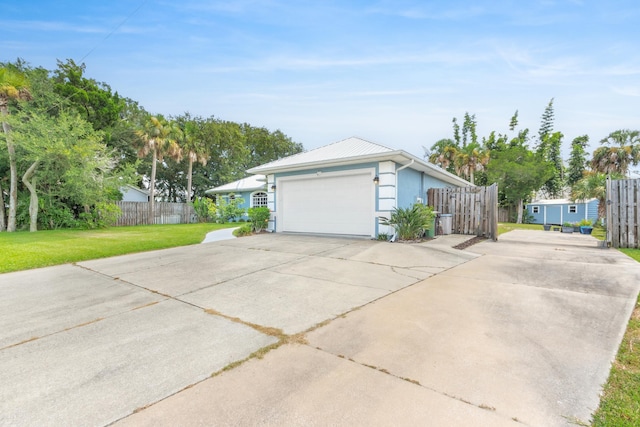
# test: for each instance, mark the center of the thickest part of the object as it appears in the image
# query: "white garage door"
(331, 204)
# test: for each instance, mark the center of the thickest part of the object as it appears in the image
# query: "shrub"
(410, 223)
(259, 218)
(229, 211)
(102, 215)
(585, 223)
(243, 230)
(204, 208)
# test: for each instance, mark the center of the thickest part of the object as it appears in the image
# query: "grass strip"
(24, 250)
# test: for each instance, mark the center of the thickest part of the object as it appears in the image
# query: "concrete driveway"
(520, 332)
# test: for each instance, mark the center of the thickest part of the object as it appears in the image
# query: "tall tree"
(619, 150)
(546, 125)
(471, 159)
(519, 172)
(66, 154)
(552, 153)
(13, 86)
(158, 137)
(443, 153)
(192, 146)
(577, 160)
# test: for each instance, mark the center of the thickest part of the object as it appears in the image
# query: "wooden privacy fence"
(137, 213)
(474, 209)
(623, 213)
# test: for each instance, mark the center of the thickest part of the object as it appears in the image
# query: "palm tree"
(593, 185)
(158, 137)
(13, 86)
(620, 150)
(470, 159)
(443, 154)
(194, 148)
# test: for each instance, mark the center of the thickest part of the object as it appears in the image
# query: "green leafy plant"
(230, 211)
(585, 223)
(259, 218)
(204, 208)
(243, 230)
(383, 237)
(410, 223)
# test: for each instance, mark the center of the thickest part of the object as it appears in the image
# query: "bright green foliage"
(577, 160)
(92, 100)
(259, 218)
(102, 215)
(593, 185)
(519, 172)
(205, 209)
(552, 143)
(23, 251)
(230, 210)
(410, 223)
(620, 404)
(243, 230)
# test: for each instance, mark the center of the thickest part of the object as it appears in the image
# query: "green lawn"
(504, 227)
(24, 250)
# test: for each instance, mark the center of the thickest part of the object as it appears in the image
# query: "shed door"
(327, 203)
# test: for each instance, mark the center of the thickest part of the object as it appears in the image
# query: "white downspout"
(398, 170)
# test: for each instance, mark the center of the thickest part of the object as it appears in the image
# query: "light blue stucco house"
(341, 188)
(560, 211)
(252, 190)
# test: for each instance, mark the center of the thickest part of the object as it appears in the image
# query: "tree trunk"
(33, 200)
(3, 224)
(152, 189)
(189, 176)
(13, 182)
(519, 219)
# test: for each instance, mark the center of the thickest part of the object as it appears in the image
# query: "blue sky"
(393, 72)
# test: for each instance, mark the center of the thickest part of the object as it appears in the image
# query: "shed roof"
(352, 151)
(559, 202)
(250, 183)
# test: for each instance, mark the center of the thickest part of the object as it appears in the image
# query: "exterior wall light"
(376, 180)
(273, 187)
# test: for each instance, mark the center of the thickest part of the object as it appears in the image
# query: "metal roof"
(559, 201)
(345, 149)
(250, 183)
(353, 151)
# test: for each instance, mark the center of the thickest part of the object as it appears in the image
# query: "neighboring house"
(134, 194)
(559, 211)
(343, 188)
(252, 190)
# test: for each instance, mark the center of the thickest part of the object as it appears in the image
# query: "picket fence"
(137, 213)
(474, 209)
(623, 213)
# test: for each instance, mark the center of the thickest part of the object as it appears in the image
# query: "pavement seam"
(483, 406)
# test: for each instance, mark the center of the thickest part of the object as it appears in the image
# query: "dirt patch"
(470, 242)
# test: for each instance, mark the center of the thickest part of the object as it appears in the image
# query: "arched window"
(259, 199)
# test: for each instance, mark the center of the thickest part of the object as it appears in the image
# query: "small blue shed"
(560, 211)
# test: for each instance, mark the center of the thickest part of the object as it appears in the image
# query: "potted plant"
(586, 227)
(546, 227)
(567, 227)
(576, 227)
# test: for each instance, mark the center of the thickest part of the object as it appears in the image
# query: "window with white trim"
(259, 199)
(573, 208)
(535, 209)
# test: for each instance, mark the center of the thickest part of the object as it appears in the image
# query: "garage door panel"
(328, 204)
